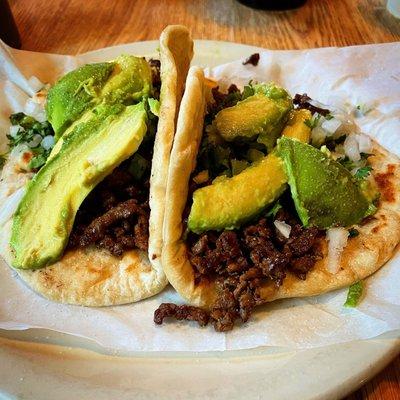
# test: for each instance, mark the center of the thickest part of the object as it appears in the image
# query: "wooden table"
(74, 26)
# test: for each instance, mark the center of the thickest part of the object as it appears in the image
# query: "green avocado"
(126, 80)
(324, 192)
(263, 114)
(229, 202)
(74, 93)
(88, 154)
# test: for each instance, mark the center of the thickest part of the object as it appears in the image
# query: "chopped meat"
(114, 216)
(253, 59)
(184, 312)
(303, 101)
(242, 260)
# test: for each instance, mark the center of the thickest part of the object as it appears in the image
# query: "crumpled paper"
(337, 76)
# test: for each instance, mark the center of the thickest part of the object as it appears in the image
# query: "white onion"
(364, 143)
(318, 136)
(337, 240)
(331, 125)
(36, 140)
(35, 110)
(35, 84)
(283, 228)
(48, 142)
(9, 207)
(351, 148)
(14, 130)
(22, 160)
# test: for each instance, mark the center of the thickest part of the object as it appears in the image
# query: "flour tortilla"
(94, 277)
(363, 255)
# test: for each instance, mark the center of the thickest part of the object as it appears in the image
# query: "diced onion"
(14, 130)
(35, 84)
(35, 110)
(9, 207)
(283, 228)
(48, 142)
(36, 140)
(337, 240)
(364, 143)
(351, 148)
(318, 136)
(331, 125)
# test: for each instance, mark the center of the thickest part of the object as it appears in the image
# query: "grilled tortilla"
(91, 276)
(363, 256)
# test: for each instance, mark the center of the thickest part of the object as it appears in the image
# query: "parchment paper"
(353, 75)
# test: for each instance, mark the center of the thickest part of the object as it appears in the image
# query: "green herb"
(329, 116)
(313, 122)
(363, 172)
(28, 129)
(238, 166)
(347, 163)
(353, 232)
(3, 159)
(248, 91)
(138, 166)
(274, 209)
(354, 294)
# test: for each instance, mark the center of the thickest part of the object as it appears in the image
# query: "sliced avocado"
(74, 93)
(296, 127)
(229, 202)
(126, 80)
(324, 192)
(88, 154)
(129, 82)
(263, 114)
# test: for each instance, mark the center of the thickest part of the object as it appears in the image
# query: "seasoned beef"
(303, 101)
(253, 59)
(184, 312)
(115, 215)
(242, 260)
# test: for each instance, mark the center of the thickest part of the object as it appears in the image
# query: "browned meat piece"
(184, 312)
(253, 59)
(97, 228)
(303, 101)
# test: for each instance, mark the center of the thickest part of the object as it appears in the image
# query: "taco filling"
(275, 179)
(104, 118)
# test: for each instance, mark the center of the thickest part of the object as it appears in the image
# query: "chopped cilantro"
(363, 172)
(313, 122)
(27, 132)
(354, 294)
(274, 209)
(248, 91)
(353, 232)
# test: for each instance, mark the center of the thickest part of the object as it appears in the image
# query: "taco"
(83, 186)
(271, 197)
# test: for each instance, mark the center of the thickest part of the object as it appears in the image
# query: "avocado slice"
(296, 127)
(126, 80)
(229, 202)
(88, 154)
(263, 114)
(74, 93)
(324, 192)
